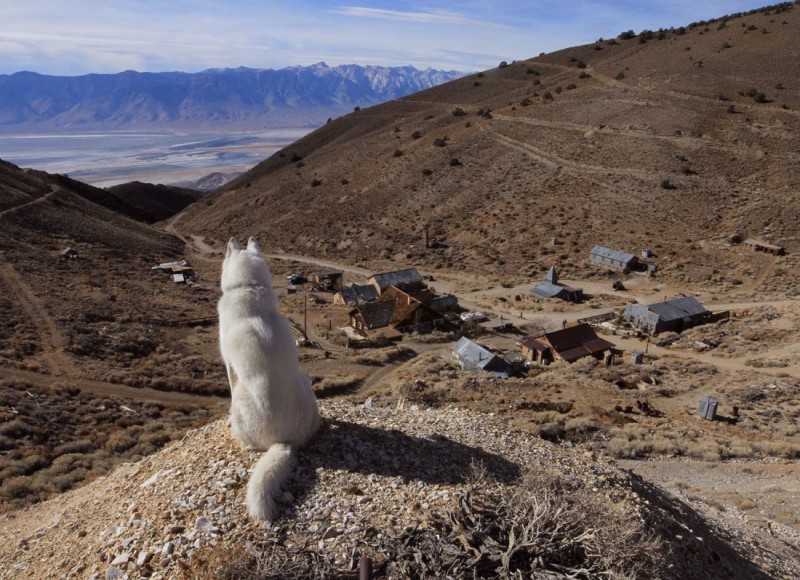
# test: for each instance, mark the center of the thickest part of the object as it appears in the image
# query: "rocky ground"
(373, 480)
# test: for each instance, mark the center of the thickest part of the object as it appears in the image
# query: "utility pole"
(305, 316)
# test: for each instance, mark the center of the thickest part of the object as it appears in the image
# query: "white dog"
(273, 407)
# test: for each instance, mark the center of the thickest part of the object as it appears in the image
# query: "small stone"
(120, 560)
(167, 548)
(144, 558)
(202, 523)
(177, 529)
(331, 532)
(114, 573)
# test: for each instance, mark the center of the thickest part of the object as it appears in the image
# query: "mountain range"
(242, 97)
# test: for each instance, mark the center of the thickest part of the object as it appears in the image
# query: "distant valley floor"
(111, 158)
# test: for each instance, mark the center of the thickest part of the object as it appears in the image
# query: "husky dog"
(273, 407)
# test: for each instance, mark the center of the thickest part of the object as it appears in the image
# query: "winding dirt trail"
(52, 339)
(112, 389)
(35, 201)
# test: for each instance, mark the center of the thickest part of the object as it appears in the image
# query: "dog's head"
(244, 267)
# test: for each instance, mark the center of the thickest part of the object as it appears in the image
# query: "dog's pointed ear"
(233, 246)
(252, 245)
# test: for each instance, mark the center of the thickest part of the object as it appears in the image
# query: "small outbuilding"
(471, 356)
(708, 408)
(69, 253)
(613, 258)
(758, 246)
(550, 288)
(327, 280)
(670, 315)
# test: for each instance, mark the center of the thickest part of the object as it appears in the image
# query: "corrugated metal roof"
(396, 278)
(476, 355)
(359, 293)
(678, 308)
(552, 275)
(547, 290)
(610, 254)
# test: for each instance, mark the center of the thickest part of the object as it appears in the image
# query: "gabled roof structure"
(377, 314)
(678, 308)
(398, 278)
(569, 343)
(473, 356)
(358, 294)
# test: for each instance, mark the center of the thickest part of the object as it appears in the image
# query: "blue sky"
(74, 37)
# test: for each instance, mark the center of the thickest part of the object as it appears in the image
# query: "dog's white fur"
(273, 407)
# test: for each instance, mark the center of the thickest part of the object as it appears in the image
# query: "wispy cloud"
(435, 17)
(82, 36)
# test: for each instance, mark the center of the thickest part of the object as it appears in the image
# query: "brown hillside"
(101, 314)
(153, 203)
(671, 141)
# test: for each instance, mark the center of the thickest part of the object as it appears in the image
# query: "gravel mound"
(373, 476)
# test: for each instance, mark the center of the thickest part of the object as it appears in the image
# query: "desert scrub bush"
(336, 386)
(548, 525)
(23, 487)
(15, 429)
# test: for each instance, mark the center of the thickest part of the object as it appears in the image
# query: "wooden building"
(670, 315)
(356, 294)
(327, 280)
(613, 258)
(568, 344)
(473, 357)
(550, 288)
(408, 280)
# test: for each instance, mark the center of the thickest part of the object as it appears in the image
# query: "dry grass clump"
(634, 441)
(384, 356)
(548, 525)
(54, 439)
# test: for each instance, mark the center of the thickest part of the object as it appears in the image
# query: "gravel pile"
(372, 474)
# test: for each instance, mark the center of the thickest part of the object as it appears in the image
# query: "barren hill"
(80, 299)
(670, 140)
(153, 203)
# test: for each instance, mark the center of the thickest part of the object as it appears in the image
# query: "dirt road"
(112, 389)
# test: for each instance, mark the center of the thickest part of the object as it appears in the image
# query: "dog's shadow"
(351, 447)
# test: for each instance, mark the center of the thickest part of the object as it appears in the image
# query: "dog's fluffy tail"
(265, 482)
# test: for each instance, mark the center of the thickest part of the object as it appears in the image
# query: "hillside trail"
(683, 141)
(107, 389)
(53, 341)
(35, 201)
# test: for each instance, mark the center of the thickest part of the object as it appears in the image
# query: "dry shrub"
(548, 525)
(336, 386)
